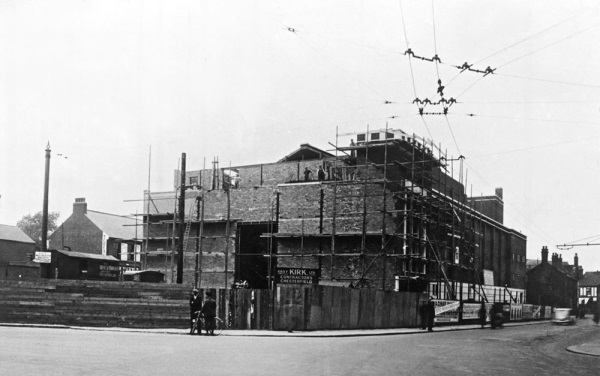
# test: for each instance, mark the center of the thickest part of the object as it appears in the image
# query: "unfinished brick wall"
(300, 208)
(341, 267)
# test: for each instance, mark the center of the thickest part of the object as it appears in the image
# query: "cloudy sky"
(106, 81)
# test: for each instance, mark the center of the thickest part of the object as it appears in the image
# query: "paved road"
(532, 349)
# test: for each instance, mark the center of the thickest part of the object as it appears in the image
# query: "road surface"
(533, 350)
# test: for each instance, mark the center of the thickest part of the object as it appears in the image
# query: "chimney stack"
(544, 255)
(80, 206)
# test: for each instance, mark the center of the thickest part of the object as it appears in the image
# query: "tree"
(32, 225)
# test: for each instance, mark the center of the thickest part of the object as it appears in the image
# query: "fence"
(323, 307)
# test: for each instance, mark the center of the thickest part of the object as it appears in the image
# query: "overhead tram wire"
(550, 81)
(530, 53)
(435, 41)
(551, 44)
(526, 39)
(297, 33)
(540, 232)
(587, 139)
(532, 119)
(412, 73)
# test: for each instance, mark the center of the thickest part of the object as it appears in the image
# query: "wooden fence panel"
(327, 308)
(395, 310)
(316, 303)
(345, 309)
(377, 316)
(354, 308)
(336, 308)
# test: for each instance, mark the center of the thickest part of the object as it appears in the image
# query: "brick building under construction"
(384, 212)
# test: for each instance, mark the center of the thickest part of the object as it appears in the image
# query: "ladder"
(188, 225)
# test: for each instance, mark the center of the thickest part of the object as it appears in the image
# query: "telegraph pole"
(181, 221)
(45, 208)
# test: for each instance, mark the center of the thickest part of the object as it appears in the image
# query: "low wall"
(88, 303)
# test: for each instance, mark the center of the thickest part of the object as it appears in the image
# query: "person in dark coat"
(482, 315)
(430, 315)
(423, 314)
(321, 173)
(195, 306)
(307, 174)
(209, 311)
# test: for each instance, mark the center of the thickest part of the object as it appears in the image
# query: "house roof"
(87, 255)
(115, 226)
(590, 279)
(14, 234)
(549, 266)
(306, 152)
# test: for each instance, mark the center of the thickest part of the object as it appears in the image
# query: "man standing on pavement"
(195, 306)
(482, 315)
(430, 315)
(423, 314)
(209, 311)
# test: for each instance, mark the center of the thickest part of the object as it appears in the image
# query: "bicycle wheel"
(219, 326)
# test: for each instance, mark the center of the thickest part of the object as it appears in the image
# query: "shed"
(79, 265)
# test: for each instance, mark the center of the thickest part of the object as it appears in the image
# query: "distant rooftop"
(14, 234)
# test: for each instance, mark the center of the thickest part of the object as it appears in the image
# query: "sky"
(120, 89)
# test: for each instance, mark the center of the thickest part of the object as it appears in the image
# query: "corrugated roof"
(115, 226)
(87, 255)
(15, 234)
(590, 279)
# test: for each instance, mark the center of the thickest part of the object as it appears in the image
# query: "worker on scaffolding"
(353, 151)
(321, 173)
(307, 174)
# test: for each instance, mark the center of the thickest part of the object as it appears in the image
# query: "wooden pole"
(181, 221)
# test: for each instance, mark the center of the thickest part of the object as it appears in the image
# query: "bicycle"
(219, 324)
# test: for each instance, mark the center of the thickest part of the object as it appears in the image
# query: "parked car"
(563, 316)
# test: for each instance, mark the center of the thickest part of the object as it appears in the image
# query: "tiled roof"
(590, 279)
(15, 234)
(115, 226)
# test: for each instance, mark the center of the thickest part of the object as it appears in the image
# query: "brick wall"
(80, 234)
(15, 251)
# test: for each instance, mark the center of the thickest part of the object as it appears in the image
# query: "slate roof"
(306, 152)
(115, 226)
(590, 279)
(15, 234)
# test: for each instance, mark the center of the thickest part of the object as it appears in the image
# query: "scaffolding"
(427, 234)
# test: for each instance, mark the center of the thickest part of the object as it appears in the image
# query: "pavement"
(591, 348)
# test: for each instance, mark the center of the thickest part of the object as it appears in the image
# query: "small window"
(375, 136)
(389, 135)
(360, 137)
(193, 180)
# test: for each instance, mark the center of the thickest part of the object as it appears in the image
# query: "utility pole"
(197, 275)
(45, 207)
(181, 221)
